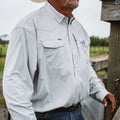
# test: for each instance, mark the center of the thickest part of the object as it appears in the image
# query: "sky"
(88, 14)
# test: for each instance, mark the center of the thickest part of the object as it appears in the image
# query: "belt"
(68, 109)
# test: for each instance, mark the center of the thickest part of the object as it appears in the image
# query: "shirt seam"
(25, 20)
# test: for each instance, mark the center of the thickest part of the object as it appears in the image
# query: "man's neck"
(63, 10)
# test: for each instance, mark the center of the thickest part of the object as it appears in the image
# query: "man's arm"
(17, 80)
(97, 88)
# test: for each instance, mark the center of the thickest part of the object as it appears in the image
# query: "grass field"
(2, 101)
(97, 51)
(2, 61)
(3, 49)
(94, 52)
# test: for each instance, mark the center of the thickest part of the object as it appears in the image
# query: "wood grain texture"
(100, 65)
(113, 66)
(109, 11)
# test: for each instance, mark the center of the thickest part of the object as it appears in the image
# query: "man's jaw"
(72, 3)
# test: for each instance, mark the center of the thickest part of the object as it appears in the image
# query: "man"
(47, 70)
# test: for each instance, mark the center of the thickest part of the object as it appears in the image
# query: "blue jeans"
(59, 115)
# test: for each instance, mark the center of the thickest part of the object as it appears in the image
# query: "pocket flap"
(53, 44)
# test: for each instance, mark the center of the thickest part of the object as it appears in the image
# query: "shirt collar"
(58, 16)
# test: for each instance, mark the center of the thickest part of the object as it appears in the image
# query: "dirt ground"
(100, 58)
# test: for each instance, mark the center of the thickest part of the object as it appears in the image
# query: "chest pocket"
(53, 48)
(52, 44)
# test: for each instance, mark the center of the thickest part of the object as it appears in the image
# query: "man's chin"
(73, 4)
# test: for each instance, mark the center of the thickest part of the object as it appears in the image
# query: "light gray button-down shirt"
(47, 65)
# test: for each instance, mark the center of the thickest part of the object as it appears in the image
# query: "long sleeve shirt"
(47, 65)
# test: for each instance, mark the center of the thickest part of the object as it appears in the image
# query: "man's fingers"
(105, 102)
(113, 103)
(113, 106)
(111, 98)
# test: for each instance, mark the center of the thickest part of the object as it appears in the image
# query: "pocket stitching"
(52, 44)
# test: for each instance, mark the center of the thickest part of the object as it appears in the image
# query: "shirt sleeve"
(97, 88)
(17, 81)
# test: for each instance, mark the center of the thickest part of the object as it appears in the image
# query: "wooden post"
(111, 13)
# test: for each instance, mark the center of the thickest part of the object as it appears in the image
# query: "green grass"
(2, 61)
(3, 50)
(101, 72)
(2, 102)
(97, 51)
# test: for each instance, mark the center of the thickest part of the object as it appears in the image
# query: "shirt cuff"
(101, 95)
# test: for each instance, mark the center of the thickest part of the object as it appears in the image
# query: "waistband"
(68, 109)
(64, 109)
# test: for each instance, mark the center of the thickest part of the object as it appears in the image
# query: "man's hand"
(109, 98)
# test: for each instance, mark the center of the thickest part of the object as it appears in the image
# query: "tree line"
(97, 41)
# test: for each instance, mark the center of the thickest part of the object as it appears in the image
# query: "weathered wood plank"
(113, 65)
(100, 65)
(110, 11)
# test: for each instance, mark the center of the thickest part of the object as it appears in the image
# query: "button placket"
(76, 58)
(73, 59)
